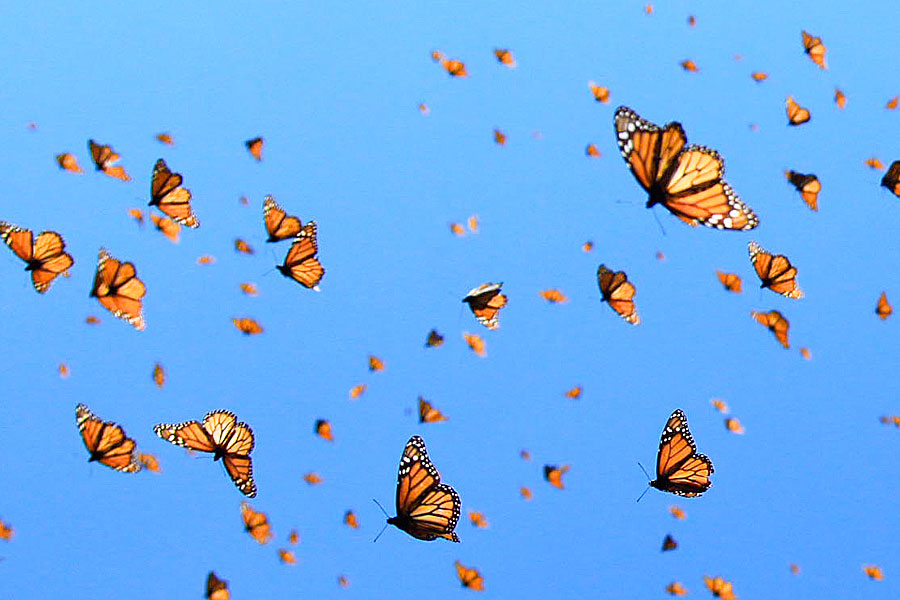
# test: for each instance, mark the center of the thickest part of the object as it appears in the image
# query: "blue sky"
(334, 93)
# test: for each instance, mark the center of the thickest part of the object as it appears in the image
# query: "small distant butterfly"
(159, 375)
(808, 186)
(469, 577)
(676, 589)
(428, 413)
(776, 323)
(840, 98)
(44, 256)
(242, 246)
(677, 512)
(689, 65)
(118, 289)
(797, 115)
(322, 428)
(254, 147)
(293, 537)
(505, 57)
(592, 151)
(759, 76)
(165, 138)
(574, 393)
(350, 519)
(525, 454)
(168, 227)
(874, 572)
(733, 425)
(343, 581)
(63, 370)
(279, 225)
(795, 569)
(375, 363)
(692, 20)
(68, 162)
(104, 158)
(720, 588)
(313, 479)
(804, 352)
(457, 229)
(149, 462)
(892, 103)
(775, 271)
(618, 292)
(357, 391)
(669, 543)
(525, 493)
(891, 179)
(301, 263)
(106, 442)
(875, 163)
(554, 474)
(478, 520)
(434, 339)
(206, 259)
(719, 405)
(679, 468)
(249, 289)
(168, 196)
(499, 137)
(476, 343)
(883, 309)
(287, 556)
(485, 301)
(248, 326)
(216, 589)
(137, 215)
(731, 281)
(814, 47)
(472, 223)
(601, 94)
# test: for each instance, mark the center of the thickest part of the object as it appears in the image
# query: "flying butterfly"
(874, 572)
(892, 103)
(891, 179)
(428, 413)
(676, 589)
(840, 98)
(243, 247)
(797, 115)
(591, 150)
(167, 227)
(876, 164)
(350, 520)
(68, 162)
(167, 195)
(734, 426)
(600, 94)
(689, 66)
(669, 543)
(137, 215)
(357, 391)
(301, 263)
(485, 302)
(618, 292)
(375, 363)
(293, 537)
(45, 256)
(313, 479)
(254, 147)
(248, 326)
(118, 289)
(775, 271)
(434, 339)
(106, 442)
(554, 474)
(322, 428)
(686, 180)
(883, 309)
(776, 323)
(256, 524)
(505, 57)
(814, 48)
(475, 343)
(159, 375)
(216, 589)
(759, 76)
(469, 577)
(574, 393)
(499, 137)
(426, 508)
(287, 556)
(679, 468)
(478, 520)
(279, 225)
(720, 588)
(149, 462)
(165, 138)
(554, 296)
(6, 531)
(104, 158)
(731, 281)
(222, 435)
(808, 186)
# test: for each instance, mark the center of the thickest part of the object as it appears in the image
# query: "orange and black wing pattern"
(814, 48)
(301, 263)
(426, 508)
(797, 115)
(168, 196)
(254, 147)
(469, 577)
(776, 323)
(720, 588)
(104, 158)
(434, 339)
(428, 413)
(119, 290)
(731, 281)
(687, 180)
(775, 271)
(216, 589)
(485, 301)
(106, 442)
(618, 292)
(68, 162)
(883, 309)
(891, 179)
(553, 474)
(808, 186)
(279, 225)
(45, 256)
(679, 468)
(256, 524)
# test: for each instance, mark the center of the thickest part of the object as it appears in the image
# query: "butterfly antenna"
(644, 470)
(381, 507)
(379, 533)
(642, 495)
(658, 222)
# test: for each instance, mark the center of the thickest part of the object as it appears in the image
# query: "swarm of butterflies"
(685, 179)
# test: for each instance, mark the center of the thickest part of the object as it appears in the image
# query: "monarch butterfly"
(350, 519)
(601, 94)
(734, 426)
(313, 479)
(814, 47)
(804, 352)
(469, 577)
(137, 215)
(322, 428)
(892, 103)
(505, 57)
(423, 108)
(797, 115)
(839, 98)
(794, 569)
(45, 256)
(168, 196)
(457, 229)
(216, 589)
(428, 413)
(249, 289)
(434, 339)
(6, 531)
(587, 246)
(499, 137)
(222, 435)
(554, 474)
(759, 76)
(592, 150)
(254, 147)
(476, 343)
(168, 227)
(692, 20)
(618, 292)
(63, 370)
(301, 263)
(874, 572)
(92, 320)
(287, 556)
(248, 326)
(104, 157)
(375, 363)
(106, 442)
(485, 302)
(525, 493)
(159, 375)
(426, 508)
(256, 524)
(455, 68)
(669, 543)
(165, 138)
(883, 309)
(279, 225)
(293, 537)
(686, 180)
(676, 589)
(891, 179)
(554, 296)
(68, 162)
(776, 323)
(343, 581)
(472, 223)
(574, 393)
(242, 246)
(689, 65)
(808, 186)
(720, 588)
(677, 512)
(875, 163)
(118, 289)
(206, 259)
(357, 391)
(775, 272)
(149, 462)
(478, 520)
(679, 468)
(731, 281)
(525, 455)
(719, 405)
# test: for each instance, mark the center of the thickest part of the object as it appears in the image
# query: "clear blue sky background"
(334, 89)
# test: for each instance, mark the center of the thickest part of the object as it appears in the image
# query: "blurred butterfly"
(686, 180)
(301, 263)
(499, 137)
(293, 537)
(839, 98)
(455, 68)
(775, 272)
(804, 352)
(669, 543)
(428, 413)
(720, 588)
(478, 520)
(426, 508)
(505, 56)
(692, 20)
(814, 47)
(874, 572)
(554, 296)
(92, 320)
(525, 493)
(485, 301)
(554, 474)
(472, 223)
(476, 343)
(776, 323)
(719, 405)
(357, 391)
(118, 289)
(679, 468)
(242, 246)
(216, 589)
(249, 289)
(313, 479)
(63, 370)
(68, 162)
(106, 442)
(734, 426)
(343, 581)
(322, 429)
(891, 179)
(689, 65)
(165, 138)
(797, 115)
(601, 94)
(221, 435)
(45, 256)
(350, 519)
(167, 195)
(795, 569)
(731, 281)
(875, 163)
(6, 531)
(206, 259)
(574, 393)
(892, 103)
(168, 227)
(677, 512)
(592, 150)
(159, 375)
(287, 556)
(104, 157)
(808, 186)
(759, 76)
(433, 339)
(525, 455)
(137, 215)
(618, 292)
(457, 229)
(279, 225)
(423, 108)
(587, 246)
(375, 363)
(676, 589)
(470, 578)
(660, 256)
(149, 462)
(883, 309)
(254, 147)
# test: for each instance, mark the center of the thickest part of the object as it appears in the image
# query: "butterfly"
(159, 375)
(485, 301)
(883, 309)
(293, 537)
(524, 454)
(457, 229)
(804, 352)
(137, 215)
(525, 493)
(68, 162)
(433, 339)
(357, 391)
(686, 180)
(731, 281)
(814, 47)
(554, 474)
(587, 246)
(719, 405)
(472, 223)
(63, 370)
(168, 196)
(428, 413)
(343, 581)
(874, 572)
(554, 296)
(221, 435)
(106, 441)
(676, 589)
(254, 147)
(689, 65)
(206, 259)
(313, 479)
(426, 508)
(574, 393)
(149, 462)
(669, 543)
(168, 227)
(797, 115)
(279, 225)
(505, 57)
(350, 519)
(499, 137)
(775, 271)
(119, 290)
(6, 531)
(601, 94)
(734, 426)
(45, 256)
(892, 103)
(592, 150)
(470, 578)
(287, 556)
(759, 76)
(165, 138)
(256, 524)
(216, 589)
(478, 520)
(677, 512)
(104, 157)
(375, 363)
(249, 289)
(808, 186)
(476, 343)
(618, 292)
(720, 588)
(322, 428)
(679, 468)
(891, 179)
(875, 163)
(455, 68)
(794, 569)
(776, 323)
(248, 326)
(840, 98)
(242, 246)
(301, 263)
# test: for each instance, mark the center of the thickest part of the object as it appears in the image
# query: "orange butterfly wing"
(775, 272)
(106, 442)
(104, 157)
(119, 290)
(618, 292)
(168, 196)
(883, 309)
(279, 225)
(891, 179)
(301, 263)
(808, 186)
(679, 468)
(46, 256)
(776, 323)
(256, 524)
(814, 47)
(470, 578)
(485, 302)
(797, 115)
(255, 146)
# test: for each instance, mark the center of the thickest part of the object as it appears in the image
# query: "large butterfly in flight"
(687, 180)
(168, 196)
(485, 301)
(679, 468)
(45, 256)
(106, 441)
(119, 290)
(301, 262)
